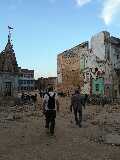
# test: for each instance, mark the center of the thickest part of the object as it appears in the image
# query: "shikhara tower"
(8, 70)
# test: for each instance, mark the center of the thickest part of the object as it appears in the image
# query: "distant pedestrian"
(34, 99)
(76, 105)
(103, 101)
(28, 98)
(50, 105)
(86, 97)
(41, 94)
(22, 97)
(85, 100)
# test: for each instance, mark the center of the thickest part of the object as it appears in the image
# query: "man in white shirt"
(50, 105)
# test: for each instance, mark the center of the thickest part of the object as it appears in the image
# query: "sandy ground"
(25, 138)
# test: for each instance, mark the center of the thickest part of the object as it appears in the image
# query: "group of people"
(51, 105)
(27, 98)
(100, 100)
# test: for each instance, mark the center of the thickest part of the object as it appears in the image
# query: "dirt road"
(26, 139)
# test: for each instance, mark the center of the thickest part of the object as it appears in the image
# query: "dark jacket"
(76, 102)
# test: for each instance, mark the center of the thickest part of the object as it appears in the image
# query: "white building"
(26, 81)
(100, 45)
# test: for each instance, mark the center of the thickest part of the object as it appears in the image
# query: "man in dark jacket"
(76, 105)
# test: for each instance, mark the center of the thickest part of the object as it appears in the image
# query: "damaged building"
(93, 75)
(94, 70)
(107, 48)
(43, 83)
(115, 58)
(68, 68)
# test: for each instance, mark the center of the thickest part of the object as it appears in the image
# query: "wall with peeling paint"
(98, 86)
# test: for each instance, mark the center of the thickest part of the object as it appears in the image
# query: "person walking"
(76, 105)
(50, 105)
(22, 98)
(85, 100)
(34, 100)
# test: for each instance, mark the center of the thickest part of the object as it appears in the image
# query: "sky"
(45, 28)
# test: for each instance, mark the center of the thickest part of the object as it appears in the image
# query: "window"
(119, 88)
(117, 56)
(28, 82)
(20, 82)
(97, 87)
(115, 92)
(31, 82)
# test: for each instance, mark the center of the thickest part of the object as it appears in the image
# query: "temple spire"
(9, 46)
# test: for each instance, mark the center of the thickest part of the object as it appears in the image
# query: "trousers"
(50, 120)
(78, 116)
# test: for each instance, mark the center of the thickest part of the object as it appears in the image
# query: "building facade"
(108, 48)
(94, 73)
(100, 45)
(95, 70)
(12, 77)
(68, 68)
(26, 81)
(43, 83)
(8, 71)
(115, 58)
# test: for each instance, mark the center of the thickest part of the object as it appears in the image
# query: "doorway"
(8, 88)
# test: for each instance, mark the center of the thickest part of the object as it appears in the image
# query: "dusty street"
(24, 138)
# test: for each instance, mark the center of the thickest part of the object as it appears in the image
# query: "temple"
(8, 71)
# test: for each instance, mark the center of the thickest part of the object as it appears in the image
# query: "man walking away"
(23, 97)
(85, 100)
(76, 105)
(34, 99)
(50, 103)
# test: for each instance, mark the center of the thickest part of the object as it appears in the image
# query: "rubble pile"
(102, 126)
(108, 124)
(17, 112)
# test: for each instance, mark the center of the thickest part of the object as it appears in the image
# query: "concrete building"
(8, 71)
(87, 60)
(115, 58)
(12, 77)
(100, 45)
(68, 68)
(43, 83)
(108, 79)
(107, 48)
(94, 72)
(76, 67)
(26, 81)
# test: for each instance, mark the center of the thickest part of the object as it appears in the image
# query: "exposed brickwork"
(68, 68)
